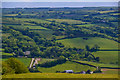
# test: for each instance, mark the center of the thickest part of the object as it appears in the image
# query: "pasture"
(26, 61)
(81, 43)
(107, 57)
(43, 60)
(66, 66)
(99, 64)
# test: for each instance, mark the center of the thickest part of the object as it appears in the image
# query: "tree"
(16, 65)
(6, 69)
(87, 47)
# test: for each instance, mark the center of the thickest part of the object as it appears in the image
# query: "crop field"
(60, 75)
(109, 57)
(66, 66)
(81, 43)
(69, 21)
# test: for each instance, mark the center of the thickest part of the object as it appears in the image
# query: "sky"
(60, 0)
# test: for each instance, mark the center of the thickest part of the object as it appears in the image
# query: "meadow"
(99, 64)
(66, 66)
(43, 60)
(81, 43)
(107, 57)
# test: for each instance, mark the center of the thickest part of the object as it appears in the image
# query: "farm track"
(31, 62)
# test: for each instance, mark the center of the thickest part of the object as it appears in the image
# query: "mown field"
(81, 43)
(66, 66)
(60, 75)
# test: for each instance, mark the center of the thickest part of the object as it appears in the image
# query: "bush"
(6, 69)
(16, 65)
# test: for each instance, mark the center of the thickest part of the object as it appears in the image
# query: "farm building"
(27, 53)
(68, 71)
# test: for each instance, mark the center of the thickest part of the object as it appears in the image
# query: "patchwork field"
(81, 43)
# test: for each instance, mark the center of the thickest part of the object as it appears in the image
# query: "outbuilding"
(68, 71)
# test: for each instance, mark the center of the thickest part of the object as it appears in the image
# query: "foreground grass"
(60, 75)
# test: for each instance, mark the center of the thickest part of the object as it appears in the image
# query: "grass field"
(69, 21)
(43, 60)
(60, 75)
(109, 57)
(86, 25)
(106, 11)
(26, 61)
(45, 33)
(35, 20)
(81, 43)
(66, 66)
(99, 64)
(35, 27)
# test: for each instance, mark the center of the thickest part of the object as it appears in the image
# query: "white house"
(68, 71)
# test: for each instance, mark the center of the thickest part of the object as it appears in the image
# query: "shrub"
(6, 69)
(16, 65)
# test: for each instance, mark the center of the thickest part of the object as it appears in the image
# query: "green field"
(45, 33)
(108, 57)
(99, 64)
(35, 20)
(26, 61)
(69, 21)
(81, 43)
(43, 60)
(66, 66)
(35, 27)
(86, 25)
(60, 75)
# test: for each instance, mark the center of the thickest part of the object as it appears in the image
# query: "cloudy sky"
(60, 0)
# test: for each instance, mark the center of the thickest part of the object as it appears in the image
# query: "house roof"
(69, 70)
